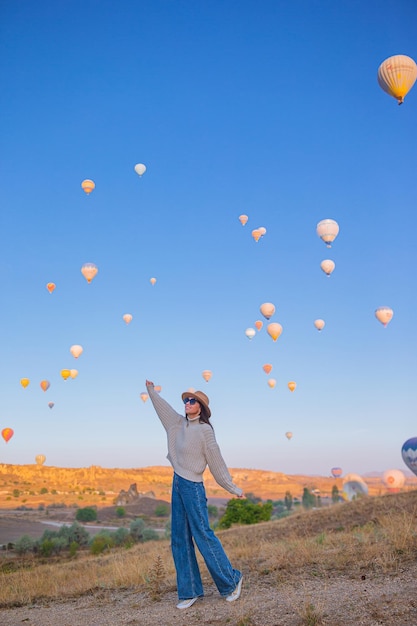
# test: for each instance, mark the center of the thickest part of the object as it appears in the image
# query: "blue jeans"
(189, 524)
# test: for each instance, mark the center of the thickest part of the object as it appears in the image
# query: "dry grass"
(373, 538)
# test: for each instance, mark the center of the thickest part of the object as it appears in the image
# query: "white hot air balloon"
(327, 230)
(319, 324)
(250, 333)
(384, 315)
(262, 230)
(140, 169)
(354, 487)
(89, 270)
(267, 309)
(397, 75)
(393, 479)
(76, 351)
(327, 266)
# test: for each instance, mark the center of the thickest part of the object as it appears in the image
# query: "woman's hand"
(148, 383)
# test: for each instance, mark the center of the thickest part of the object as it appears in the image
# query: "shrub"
(86, 514)
(149, 534)
(43, 490)
(102, 541)
(245, 512)
(120, 511)
(136, 529)
(24, 544)
(55, 545)
(121, 537)
(162, 510)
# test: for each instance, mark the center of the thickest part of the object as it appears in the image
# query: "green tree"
(288, 501)
(308, 500)
(86, 514)
(245, 512)
(24, 544)
(335, 494)
(162, 510)
(120, 511)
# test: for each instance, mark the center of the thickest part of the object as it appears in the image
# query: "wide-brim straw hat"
(200, 396)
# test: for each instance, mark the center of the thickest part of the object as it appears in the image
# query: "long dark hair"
(204, 416)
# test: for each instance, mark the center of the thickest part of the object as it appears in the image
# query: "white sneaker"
(184, 604)
(236, 593)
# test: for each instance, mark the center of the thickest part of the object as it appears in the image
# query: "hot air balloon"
(393, 479)
(65, 374)
(51, 405)
(258, 324)
(206, 374)
(24, 382)
(45, 384)
(409, 454)
(140, 169)
(144, 396)
(262, 230)
(267, 309)
(256, 234)
(73, 373)
(272, 382)
(336, 472)
(158, 388)
(40, 459)
(7, 434)
(89, 270)
(292, 385)
(288, 435)
(354, 487)
(76, 351)
(267, 368)
(250, 333)
(327, 266)
(274, 330)
(327, 230)
(152, 281)
(396, 76)
(319, 324)
(243, 219)
(127, 318)
(384, 315)
(88, 186)
(50, 287)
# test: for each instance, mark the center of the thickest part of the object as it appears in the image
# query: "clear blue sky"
(271, 109)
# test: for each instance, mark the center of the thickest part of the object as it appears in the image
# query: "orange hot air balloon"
(292, 385)
(144, 396)
(127, 318)
(327, 266)
(45, 384)
(24, 382)
(267, 368)
(76, 351)
(158, 388)
(384, 314)
(274, 330)
(319, 324)
(88, 186)
(267, 309)
(258, 324)
(65, 374)
(50, 287)
(73, 373)
(152, 281)
(256, 234)
(206, 374)
(89, 270)
(243, 219)
(288, 435)
(7, 434)
(272, 382)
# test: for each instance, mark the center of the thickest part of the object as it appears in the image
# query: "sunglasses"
(190, 400)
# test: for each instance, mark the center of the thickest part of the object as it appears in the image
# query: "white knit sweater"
(192, 446)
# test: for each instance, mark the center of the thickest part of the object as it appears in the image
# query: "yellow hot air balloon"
(292, 385)
(88, 186)
(50, 287)
(267, 309)
(243, 219)
(24, 382)
(206, 374)
(384, 315)
(258, 324)
(327, 230)
(76, 351)
(396, 76)
(152, 281)
(7, 434)
(272, 382)
(274, 330)
(140, 169)
(65, 374)
(319, 324)
(89, 270)
(73, 373)
(327, 266)
(250, 333)
(256, 234)
(288, 435)
(267, 368)
(40, 459)
(45, 384)
(127, 318)
(144, 396)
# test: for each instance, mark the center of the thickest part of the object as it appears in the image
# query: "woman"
(191, 447)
